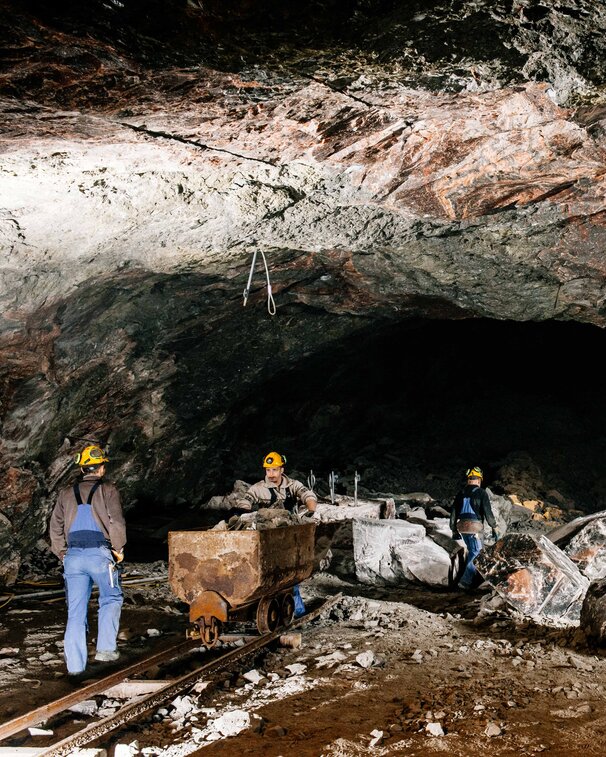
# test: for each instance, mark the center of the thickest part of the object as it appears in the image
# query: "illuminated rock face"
(401, 172)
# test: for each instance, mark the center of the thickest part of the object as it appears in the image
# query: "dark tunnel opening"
(410, 406)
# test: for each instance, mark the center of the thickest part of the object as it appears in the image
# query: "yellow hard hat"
(91, 455)
(475, 473)
(274, 460)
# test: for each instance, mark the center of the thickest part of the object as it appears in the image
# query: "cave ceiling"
(422, 184)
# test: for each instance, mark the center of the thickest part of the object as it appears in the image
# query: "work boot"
(107, 656)
(75, 679)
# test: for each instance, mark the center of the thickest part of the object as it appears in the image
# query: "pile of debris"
(264, 517)
(547, 577)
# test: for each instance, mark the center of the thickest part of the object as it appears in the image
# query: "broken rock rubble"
(547, 577)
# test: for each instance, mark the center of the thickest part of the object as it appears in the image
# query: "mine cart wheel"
(287, 611)
(210, 632)
(268, 614)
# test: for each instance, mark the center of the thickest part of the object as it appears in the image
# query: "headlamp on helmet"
(91, 455)
(475, 473)
(274, 460)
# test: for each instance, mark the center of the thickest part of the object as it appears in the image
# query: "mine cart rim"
(210, 632)
(268, 614)
(287, 609)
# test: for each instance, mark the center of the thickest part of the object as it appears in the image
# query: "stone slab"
(389, 552)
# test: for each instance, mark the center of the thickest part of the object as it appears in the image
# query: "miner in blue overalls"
(471, 507)
(88, 534)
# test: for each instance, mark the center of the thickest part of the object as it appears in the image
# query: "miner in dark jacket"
(471, 507)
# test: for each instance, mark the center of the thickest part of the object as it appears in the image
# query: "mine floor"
(409, 671)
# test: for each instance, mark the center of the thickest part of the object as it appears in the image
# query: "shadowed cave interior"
(409, 407)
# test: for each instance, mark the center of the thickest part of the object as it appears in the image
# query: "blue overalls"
(474, 544)
(89, 561)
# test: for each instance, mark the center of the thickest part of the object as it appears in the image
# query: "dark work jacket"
(479, 501)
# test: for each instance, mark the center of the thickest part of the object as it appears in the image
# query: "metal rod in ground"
(60, 592)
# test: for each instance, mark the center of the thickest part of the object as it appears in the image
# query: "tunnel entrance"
(419, 402)
(410, 406)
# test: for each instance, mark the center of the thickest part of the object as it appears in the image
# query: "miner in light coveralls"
(88, 534)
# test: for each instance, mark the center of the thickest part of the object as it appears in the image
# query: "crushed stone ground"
(409, 671)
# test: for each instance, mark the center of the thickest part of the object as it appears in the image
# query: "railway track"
(144, 704)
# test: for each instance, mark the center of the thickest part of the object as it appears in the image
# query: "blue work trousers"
(470, 576)
(299, 604)
(83, 568)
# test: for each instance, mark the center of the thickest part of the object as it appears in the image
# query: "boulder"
(535, 577)
(593, 612)
(587, 549)
(389, 552)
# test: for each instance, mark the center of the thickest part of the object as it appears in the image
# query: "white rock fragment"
(87, 707)
(377, 737)
(153, 632)
(296, 669)
(492, 729)
(182, 706)
(417, 656)
(368, 659)
(33, 731)
(330, 660)
(434, 729)
(234, 722)
(253, 676)
(126, 750)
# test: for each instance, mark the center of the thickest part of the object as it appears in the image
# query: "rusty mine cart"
(239, 576)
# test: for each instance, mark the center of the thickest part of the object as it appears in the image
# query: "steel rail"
(66, 747)
(46, 711)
